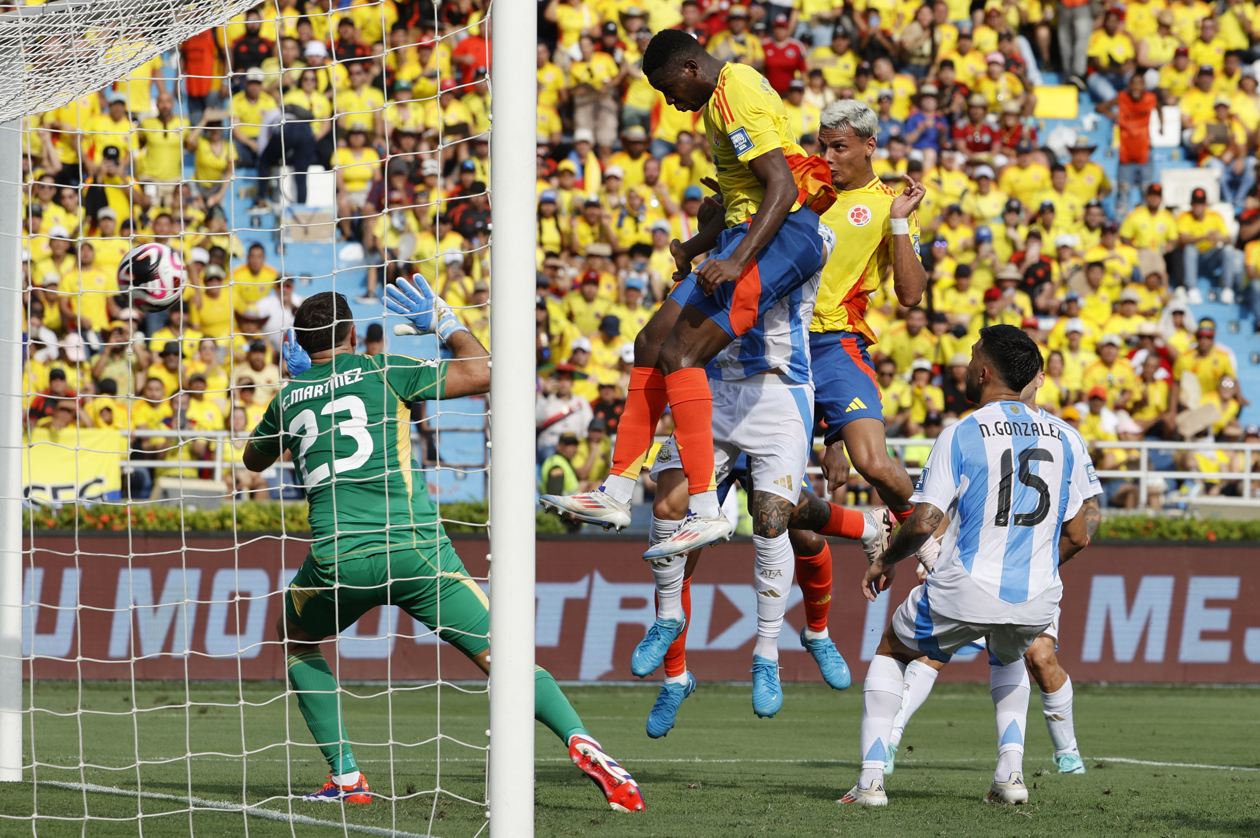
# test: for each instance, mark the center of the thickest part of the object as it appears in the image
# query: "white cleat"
(694, 533)
(874, 796)
(595, 507)
(883, 521)
(1012, 791)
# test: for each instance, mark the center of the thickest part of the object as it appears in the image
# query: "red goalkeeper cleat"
(333, 793)
(614, 781)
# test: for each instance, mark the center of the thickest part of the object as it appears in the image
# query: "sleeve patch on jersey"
(1089, 471)
(740, 141)
(923, 476)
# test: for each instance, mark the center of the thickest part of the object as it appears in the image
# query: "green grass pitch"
(721, 772)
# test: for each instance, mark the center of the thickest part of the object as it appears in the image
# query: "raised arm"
(468, 372)
(909, 276)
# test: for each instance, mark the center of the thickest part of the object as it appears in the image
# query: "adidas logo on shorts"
(856, 404)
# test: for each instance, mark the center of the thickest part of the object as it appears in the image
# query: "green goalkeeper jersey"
(348, 426)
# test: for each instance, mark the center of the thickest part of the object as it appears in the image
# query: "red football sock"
(676, 657)
(844, 523)
(692, 403)
(813, 574)
(645, 404)
(900, 517)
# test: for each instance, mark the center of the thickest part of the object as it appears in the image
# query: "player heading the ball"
(764, 246)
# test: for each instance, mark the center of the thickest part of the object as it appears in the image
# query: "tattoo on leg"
(771, 514)
(811, 513)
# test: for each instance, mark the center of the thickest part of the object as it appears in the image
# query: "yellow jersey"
(861, 220)
(1114, 379)
(1149, 230)
(1209, 369)
(744, 119)
(1196, 228)
(1087, 182)
(88, 290)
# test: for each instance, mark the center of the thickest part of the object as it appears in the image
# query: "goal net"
(282, 149)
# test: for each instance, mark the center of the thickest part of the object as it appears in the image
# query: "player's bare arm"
(1078, 532)
(909, 277)
(468, 372)
(905, 543)
(772, 170)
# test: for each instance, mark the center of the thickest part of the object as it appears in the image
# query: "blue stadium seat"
(449, 486)
(462, 448)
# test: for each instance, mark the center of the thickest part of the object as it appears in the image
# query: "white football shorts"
(919, 626)
(766, 417)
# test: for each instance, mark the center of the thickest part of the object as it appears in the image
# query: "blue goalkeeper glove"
(295, 357)
(427, 312)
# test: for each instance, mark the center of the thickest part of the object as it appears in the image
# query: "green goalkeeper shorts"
(326, 597)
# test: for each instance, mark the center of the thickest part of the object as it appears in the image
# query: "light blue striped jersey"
(1008, 477)
(780, 339)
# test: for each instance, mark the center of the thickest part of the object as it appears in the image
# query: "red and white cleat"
(595, 507)
(884, 522)
(614, 781)
(333, 793)
(874, 796)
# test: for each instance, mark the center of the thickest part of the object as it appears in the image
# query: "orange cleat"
(614, 781)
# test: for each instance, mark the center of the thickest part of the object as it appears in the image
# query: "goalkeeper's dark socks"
(553, 709)
(316, 688)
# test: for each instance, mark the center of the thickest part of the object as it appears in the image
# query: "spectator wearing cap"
(594, 455)
(803, 117)
(1208, 362)
(168, 368)
(1126, 321)
(1177, 77)
(263, 375)
(632, 315)
(214, 162)
(580, 360)
(45, 403)
(784, 55)
(280, 308)
(958, 297)
(551, 225)
(109, 247)
(610, 404)
(1206, 251)
(894, 396)
(1150, 226)
(924, 396)
(926, 129)
(593, 225)
(1221, 143)
(1085, 178)
(249, 107)
(177, 329)
(606, 349)
(111, 129)
(211, 309)
(1112, 373)
(557, 476)
(559, 410)
(583, 305)
(835, 58)
(1069, 267)
(1026, 177)
(954, 385)
(984, 204)
(631, 158)
(1199, 102)
(973, 133)
(593, 84)
(1112, 56)
(999, 86)
(969, 62)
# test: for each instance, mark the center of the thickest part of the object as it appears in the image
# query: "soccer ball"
(152, 276)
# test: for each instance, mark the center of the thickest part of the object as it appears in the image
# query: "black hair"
(1057, 167)
(1012, 353)
(667, 51)
(322, 321)
(640, 249)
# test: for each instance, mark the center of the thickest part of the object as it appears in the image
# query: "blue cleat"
(890, 760)
(660, 720)
(767, 697)
(1069, 764)
(650, 653)
(830, 662)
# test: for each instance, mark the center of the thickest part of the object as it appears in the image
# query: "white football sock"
(919, 681)
(676, 679)
(346, 779)
(816, 635)
(1009, 687)
(869, 530)
(773, 569)
(705, 505)
(619, 488)
(881, 699)
(668, 573)
(1058, 709)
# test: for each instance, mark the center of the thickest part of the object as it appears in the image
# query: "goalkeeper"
(377, 538)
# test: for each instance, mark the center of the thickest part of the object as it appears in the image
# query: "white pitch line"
(254, 811)
(698, 761)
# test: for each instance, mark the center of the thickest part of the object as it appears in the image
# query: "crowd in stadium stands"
(394, 97)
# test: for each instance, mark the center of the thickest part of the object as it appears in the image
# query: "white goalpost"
(52, 56)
